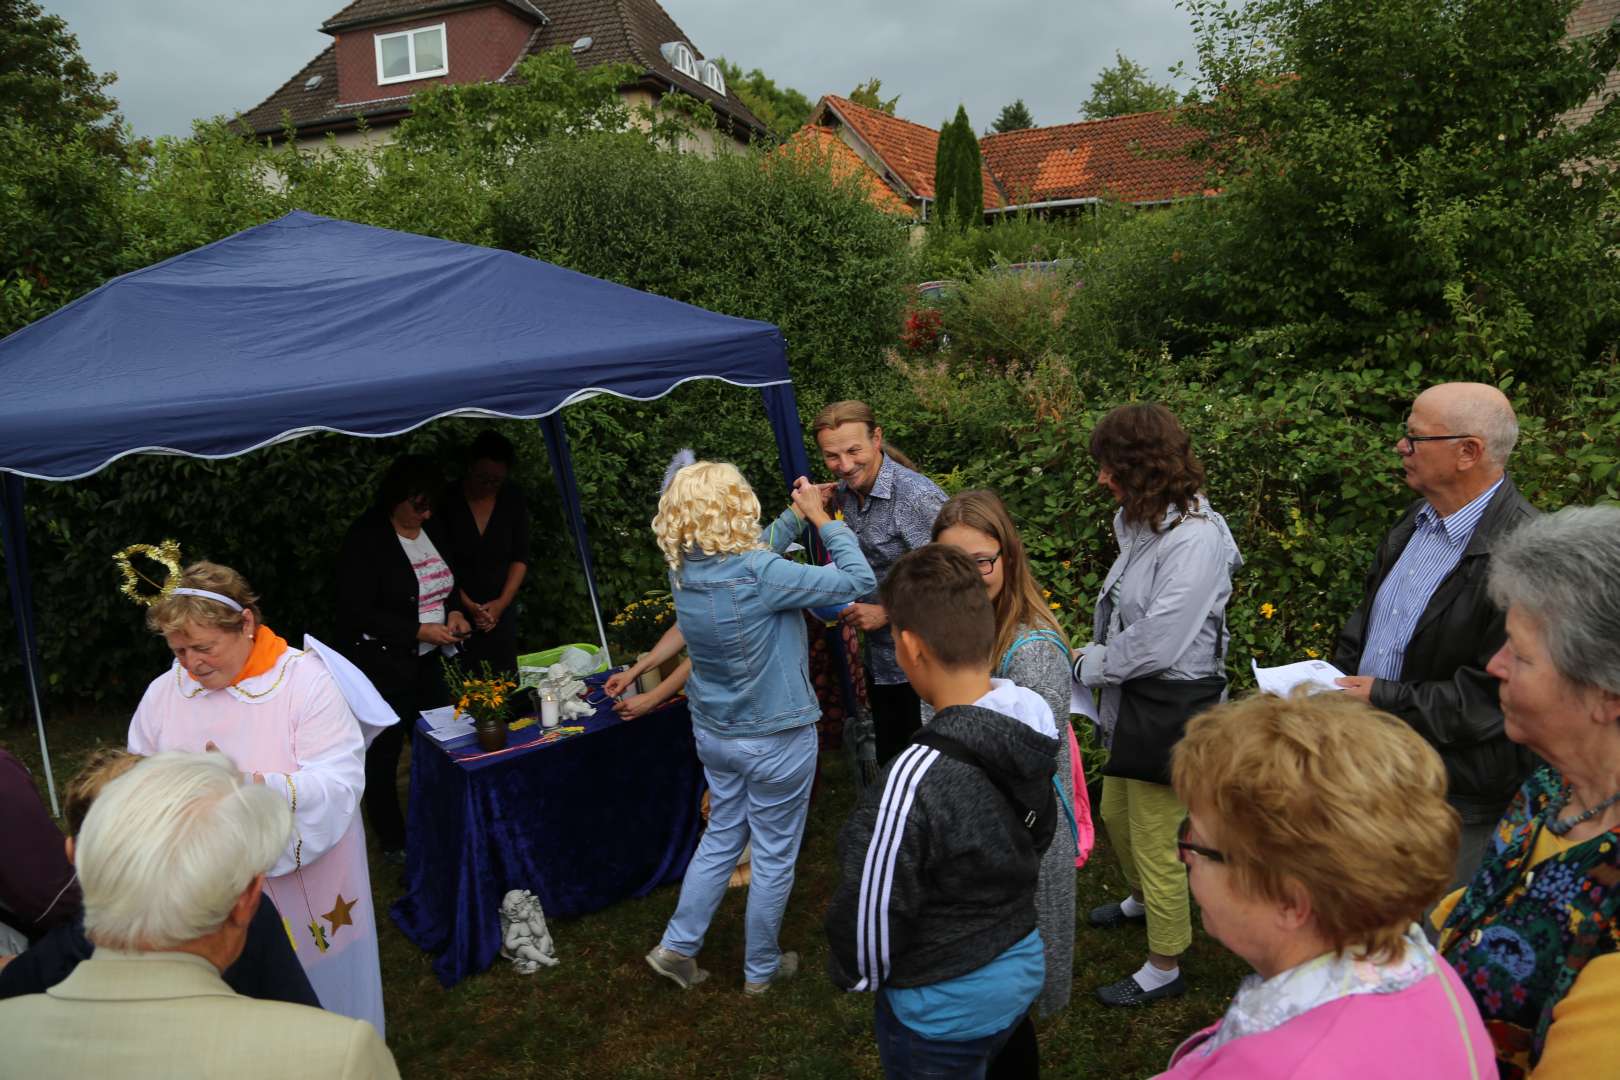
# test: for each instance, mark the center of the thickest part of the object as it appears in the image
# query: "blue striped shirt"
(1436, 546)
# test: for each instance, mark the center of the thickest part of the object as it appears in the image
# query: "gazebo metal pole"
(16, 550)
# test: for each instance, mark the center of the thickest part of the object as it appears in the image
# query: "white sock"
(1131, 906)
(1151, 978)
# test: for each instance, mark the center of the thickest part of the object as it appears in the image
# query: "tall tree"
(870, 94)
(1014, 117)
(1126, 88)
(969, 198)
(47, 83)
(958, 178)
(781, 108)
(1405, 186)
(946, 159)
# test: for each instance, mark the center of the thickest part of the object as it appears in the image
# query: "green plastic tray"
(550, 656)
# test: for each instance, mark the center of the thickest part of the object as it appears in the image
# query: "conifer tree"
(1014, 117)
(967, 198)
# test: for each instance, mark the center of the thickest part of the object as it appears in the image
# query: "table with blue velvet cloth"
(583, 823)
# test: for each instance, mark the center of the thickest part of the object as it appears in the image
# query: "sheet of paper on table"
(438, 718)
(1082, 701)
(1318, 675)
(443, 724)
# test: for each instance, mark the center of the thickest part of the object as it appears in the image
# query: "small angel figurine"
(525, 940)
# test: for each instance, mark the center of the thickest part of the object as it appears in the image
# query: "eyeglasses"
(1183, 845)
(422, 504)
(986, 563)
(1406, 445)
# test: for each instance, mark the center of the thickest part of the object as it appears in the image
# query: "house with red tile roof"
(823, 148)
(1140, 159)
(898, 151)
(384, 51)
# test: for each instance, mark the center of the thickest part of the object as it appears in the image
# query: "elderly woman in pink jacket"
(1317, 835)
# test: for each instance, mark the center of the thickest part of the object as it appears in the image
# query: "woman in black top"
(399, 612)
(486, 524)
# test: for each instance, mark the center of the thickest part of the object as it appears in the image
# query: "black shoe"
(1128, 992)
(1111, 915)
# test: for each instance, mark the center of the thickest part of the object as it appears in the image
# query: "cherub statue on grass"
(524, 937)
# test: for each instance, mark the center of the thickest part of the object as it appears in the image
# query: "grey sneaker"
(788, 968)
(680, 970)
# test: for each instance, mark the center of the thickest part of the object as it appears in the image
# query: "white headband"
(205, 594)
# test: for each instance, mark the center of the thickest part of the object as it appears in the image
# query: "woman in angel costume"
(295, 720)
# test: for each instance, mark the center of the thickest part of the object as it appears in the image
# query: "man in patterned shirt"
(1426, 628)
(891, 508)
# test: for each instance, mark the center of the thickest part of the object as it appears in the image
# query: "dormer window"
(713, 78)
(411, 54)
(679, 57)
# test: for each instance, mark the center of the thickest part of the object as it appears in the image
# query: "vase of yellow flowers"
(482, 697)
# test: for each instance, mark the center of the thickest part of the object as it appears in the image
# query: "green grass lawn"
(602, 1014)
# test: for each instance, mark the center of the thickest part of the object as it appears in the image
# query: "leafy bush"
(1301, 465)
(947, 253)
(1406, 184)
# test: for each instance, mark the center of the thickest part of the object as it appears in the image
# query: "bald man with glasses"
(1425, 629)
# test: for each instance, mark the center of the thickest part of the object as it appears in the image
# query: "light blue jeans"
(759, 788)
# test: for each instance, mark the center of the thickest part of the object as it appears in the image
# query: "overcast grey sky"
(180, 60)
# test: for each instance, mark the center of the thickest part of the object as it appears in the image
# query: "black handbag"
(1153, 715)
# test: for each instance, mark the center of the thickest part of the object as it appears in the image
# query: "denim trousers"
(908, 1056)
(759, 789)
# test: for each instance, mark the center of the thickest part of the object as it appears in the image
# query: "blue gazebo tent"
(309, 324)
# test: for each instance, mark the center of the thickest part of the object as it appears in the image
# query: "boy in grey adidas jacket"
(935, 912)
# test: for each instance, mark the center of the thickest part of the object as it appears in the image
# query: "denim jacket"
(742, 619)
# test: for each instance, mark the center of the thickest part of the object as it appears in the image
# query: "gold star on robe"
(339, 915)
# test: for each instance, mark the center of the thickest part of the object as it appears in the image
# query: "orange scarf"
(267, 649)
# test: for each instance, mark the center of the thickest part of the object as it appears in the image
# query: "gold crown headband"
(166, 555)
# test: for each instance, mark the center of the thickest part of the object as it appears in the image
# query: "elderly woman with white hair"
(1536, 933)
(738, 604)
(173, 857)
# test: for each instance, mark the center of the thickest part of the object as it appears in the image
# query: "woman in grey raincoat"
(1158, 656)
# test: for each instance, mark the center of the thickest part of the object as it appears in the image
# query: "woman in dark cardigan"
(399, 612)
(486, 521)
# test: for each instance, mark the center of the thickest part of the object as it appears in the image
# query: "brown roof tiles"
(362, 12)
(907, 148)
(1139, 158)
(621, 31)
(817, 144)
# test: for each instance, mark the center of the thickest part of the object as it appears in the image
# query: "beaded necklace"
(1561, 826)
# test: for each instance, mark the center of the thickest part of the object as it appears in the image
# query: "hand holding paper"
(1318, 675)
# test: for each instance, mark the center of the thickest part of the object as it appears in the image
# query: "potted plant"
(482, 697)
(639, 626)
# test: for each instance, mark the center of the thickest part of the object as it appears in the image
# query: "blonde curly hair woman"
(737, 602)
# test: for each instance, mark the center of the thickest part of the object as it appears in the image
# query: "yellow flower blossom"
(1055, 606)
(1312, 653)
(1267, 610)
(1047, 593)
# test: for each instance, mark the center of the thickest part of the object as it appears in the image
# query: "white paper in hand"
(1082, 701)
(1318, 675)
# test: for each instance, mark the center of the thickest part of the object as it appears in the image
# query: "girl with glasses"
(1031, 651)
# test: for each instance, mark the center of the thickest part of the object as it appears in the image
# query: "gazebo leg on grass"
(22, 609)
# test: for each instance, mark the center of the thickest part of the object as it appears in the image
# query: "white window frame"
(714, 78)
(679, 55)
(410, 51)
